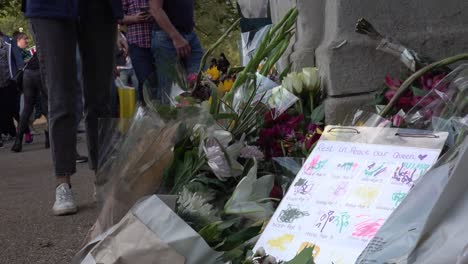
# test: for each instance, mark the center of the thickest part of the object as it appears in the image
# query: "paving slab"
(29, 232)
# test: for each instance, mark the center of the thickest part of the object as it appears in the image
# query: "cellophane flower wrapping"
(445, 107)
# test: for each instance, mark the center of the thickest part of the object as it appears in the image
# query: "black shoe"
(47, 142)
(18, 145)
(81, 159)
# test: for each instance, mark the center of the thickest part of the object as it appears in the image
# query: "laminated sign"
(350, 184)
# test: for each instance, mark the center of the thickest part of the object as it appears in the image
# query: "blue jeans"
(167, 62)
(142, 62)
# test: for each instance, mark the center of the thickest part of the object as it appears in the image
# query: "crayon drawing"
(342, 221)
(324, 220)
(367, 228)
(281, 243)
(398, 197)
(303, 186)
(404, 174)
(338, 190)
(291, 214)
(315, 166)
(366, 194)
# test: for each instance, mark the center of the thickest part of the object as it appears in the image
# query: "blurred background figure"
(32, 87)
(10, 62)
(174, 42)
(139, 25)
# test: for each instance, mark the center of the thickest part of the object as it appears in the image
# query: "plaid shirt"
(138, 34)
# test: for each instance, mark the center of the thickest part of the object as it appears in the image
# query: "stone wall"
(351, 67)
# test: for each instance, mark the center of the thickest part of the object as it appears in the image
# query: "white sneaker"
(64, 202)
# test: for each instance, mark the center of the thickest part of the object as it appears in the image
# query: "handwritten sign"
(341, 197)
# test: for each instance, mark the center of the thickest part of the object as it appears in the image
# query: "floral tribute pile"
(223, 171)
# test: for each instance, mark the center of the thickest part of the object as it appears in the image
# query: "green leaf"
(304, 257)
(418, 91)
(240, 238)
(318, 115)
(225, 116)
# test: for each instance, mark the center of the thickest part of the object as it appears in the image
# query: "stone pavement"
(29, 232)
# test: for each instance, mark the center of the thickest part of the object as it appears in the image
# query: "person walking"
(10, 62)
(32, 87)
(22, 41)
(139, 25)
(57, 28)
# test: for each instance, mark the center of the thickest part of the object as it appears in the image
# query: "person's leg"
(165, 56)
(97, 58)
(12, 107)
(3, 112)
(142, 61)
(56, 46)
(30, 92)
(192, 64)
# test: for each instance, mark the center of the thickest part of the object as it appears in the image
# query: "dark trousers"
(9, 109)
(142, 61)
(32, 90)
(56, 44)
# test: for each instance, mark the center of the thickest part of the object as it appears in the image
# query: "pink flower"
(192, 77)
(389, 94)
(429, 81)
(391, 83)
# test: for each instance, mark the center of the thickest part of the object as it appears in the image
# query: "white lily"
(249, 196)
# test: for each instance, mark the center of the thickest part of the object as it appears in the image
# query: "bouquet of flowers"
(219, 163)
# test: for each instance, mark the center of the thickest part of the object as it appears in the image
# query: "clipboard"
(350, 184)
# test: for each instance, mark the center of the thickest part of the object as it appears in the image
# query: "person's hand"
(141, 17)
(182, 47)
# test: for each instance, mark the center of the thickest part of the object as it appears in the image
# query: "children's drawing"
(316, 165)
(342, 221)
(367, 194)
(367, 228)
(291, 214)
(398, 197)
(347, 166)
(305, 245)
(374, 169)
(404, 174)
(303, 186)
(341, 189)
(280, 243)
(324, 220)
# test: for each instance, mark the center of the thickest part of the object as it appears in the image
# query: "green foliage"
(213, 18)
(12, 19)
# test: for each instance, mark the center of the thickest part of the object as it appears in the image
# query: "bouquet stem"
(405, 86)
